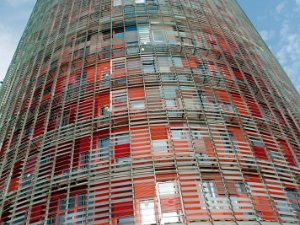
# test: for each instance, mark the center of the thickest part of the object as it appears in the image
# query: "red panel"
(259, 152)
(136, 93)
(159, 132)
(123, 209)
(122, 150)
(288, 154)
(14, 184)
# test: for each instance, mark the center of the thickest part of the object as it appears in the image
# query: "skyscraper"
(147, 112)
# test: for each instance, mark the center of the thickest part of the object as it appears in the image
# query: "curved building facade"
(145, 112)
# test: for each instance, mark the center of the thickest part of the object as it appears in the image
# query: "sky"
(276, 20)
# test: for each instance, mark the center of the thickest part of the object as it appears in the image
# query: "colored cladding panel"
(147, 112)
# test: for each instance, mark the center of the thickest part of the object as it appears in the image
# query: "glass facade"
(127, 112)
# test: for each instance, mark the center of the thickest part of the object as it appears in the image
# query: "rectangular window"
(140, 104)
(177, 134)
(80, 80)
(164, 64)
(62, 204)
(71, 203)
(147, 212)
(124, 160)
(119, 98)
(241, 188)
(196, 134)
(203, 68)
(118, 33)
(148, 65)
(177, 61)
(105, 111)
(275, 155)
(209, 189)
(122, 139)
(103, 148)
(294, 199)
(144, 33)
(118, 67)
(66, 115)
(166, 188)
(160, 146)
(256, 141)
(171, 103)
(117, 2)
(229, 142)
(82, 200)
(282, 206)
(169, 217)
(126, 221)
(84, 158)
(227, 107)
(158, 36)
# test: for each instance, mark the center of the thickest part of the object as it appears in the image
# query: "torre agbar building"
(142, 112)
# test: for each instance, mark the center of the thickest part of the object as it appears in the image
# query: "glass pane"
(147, 212)
(138, 104)
(166, 188)
(160, 146)
(170, 217)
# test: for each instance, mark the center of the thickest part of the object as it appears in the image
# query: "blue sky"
(276, 20)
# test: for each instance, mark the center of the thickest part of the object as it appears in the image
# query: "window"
(47, 91)
(122, 99)
(169, 217)
(274, 155)
(256, 141)
(158, 35)
(84, 160)
(129, 10)
(65, 119)
(51, 221)
(118, 33)
(118, 67)
(164, 64)
(122, 139)
(27, 179)
(202, 68)
(62, 204)
(124, 160)
(82, 200)
(177, 134)
(294, 199)
(126, 221)
(117, 2)
(160, 146)
(209, 189)
(105, 111)
(229, 142)
(170, 92)
(71, 203)
(147, 212)
(144, 33)
(282, 206)
(196, 134)
(103, 146)
(148, 65)
(170, 102)
(140, 104)
(166, 188)
(139, 1)
(177, 61)
(80, 80)
(241, 187)
(227, 107)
